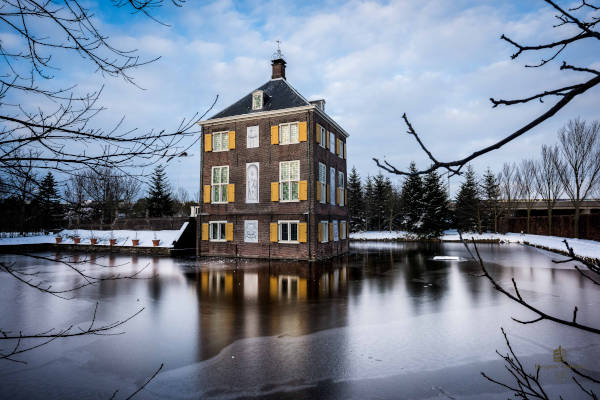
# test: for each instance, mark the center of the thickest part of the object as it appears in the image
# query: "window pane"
(225, 141)
(293, 231)
(222, 231)
(284, 172)
(294, 191)
(284, 232)
(295, 170)
(285, 134)
(214, 231)
(294, 133)
(285, 191)
(224, 175)
(215, 175)
(223, 193)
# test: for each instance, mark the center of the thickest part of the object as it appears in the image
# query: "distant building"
(273, 177)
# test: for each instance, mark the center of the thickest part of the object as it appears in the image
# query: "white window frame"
(323, 183)
(332, 142)
(260, 105)
(257, 182)
(340, 181)
(222, 135)
(324, 231)
(336, 231)
(221, 185)
(289, 181)
(283, 140)
(289, 224)
(323, 137)
(248, 130)
(332, 187)
(343, 230)
(210, 231)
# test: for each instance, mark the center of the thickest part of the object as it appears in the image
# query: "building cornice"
(273, 113)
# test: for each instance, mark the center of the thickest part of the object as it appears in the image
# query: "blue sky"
(439, 61)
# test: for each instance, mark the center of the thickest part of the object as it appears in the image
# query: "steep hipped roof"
(278, 94)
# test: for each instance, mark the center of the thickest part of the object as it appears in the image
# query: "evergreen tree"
(380, 194)
(369, 204)
(160, 202)
(47, 203)
(467, 216)
(436, 214)
(356, 205)
(412, 200)
(490, 206)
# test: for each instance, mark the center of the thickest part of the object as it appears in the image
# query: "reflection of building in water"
(265, 299)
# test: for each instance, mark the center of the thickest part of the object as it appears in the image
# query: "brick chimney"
(278, 68)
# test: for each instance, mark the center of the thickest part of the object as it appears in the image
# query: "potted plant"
(155, 241)
(112, 241)
(93, 238)
(58, 238)
(76, 238)
(135, 241)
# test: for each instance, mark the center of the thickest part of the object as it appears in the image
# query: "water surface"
(387, 321)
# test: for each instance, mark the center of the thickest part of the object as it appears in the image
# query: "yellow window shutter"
(231, 140)
(207, 193)
(274, 191)
(208, 142)
(302, 134)
(345, 154)
(320, 232)
(303, 190)
(275, 134)
(337, 146)
(229, 231)
(318, 133)
(331, 231)
(302, 232)
(273, 231)
(328, 144)
(318, 191)
(328, 193)
(337, 195)
(345, 197)
(205, 231)
(231, 193)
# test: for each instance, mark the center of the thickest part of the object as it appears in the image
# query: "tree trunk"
(528, 219)
(576, 222)
(549, 221)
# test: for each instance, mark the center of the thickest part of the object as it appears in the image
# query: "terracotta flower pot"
(58, 239)
(76, 239)
(112, 241)
(135, 242)
(93, 240)
(155, 242)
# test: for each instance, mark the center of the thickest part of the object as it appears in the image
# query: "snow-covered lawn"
(124, 237)
(581, 247)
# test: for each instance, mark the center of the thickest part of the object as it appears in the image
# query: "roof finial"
(278, 54)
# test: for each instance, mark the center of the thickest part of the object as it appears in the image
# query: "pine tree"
(436, 214)
(380, 194)
(356, 205)
(160, 202)
(47, 203)
(490, 206)
(412, 200)
(369, 204)
(467, 216)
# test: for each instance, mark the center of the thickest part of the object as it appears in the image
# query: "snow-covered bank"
(581, 247)
(123, 237)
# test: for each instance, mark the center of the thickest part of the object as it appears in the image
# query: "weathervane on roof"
(278, 54)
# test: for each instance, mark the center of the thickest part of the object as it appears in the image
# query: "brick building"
(273, 177)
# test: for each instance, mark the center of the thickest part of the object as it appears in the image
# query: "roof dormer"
(258, 98)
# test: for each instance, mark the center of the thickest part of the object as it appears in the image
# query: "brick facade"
(310, 211)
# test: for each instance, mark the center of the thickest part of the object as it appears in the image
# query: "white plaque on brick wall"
(251, 231)
(252, 182)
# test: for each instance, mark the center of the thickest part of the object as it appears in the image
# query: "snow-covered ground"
(581, 247)
(124, 237)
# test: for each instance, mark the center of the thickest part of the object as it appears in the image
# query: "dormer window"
(257, 100)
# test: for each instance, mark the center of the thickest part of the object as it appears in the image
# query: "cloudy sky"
(437, 61)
